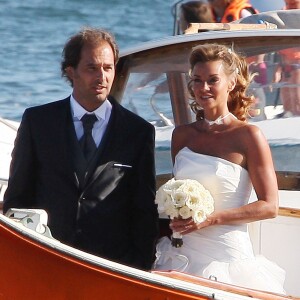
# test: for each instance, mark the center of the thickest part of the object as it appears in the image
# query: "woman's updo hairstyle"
(234, 65)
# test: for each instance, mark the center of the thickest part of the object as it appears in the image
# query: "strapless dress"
(221, 252)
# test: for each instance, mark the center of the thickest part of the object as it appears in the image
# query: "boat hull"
(31, 270)
(39, 267)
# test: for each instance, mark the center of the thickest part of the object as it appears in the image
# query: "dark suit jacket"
(104, 208)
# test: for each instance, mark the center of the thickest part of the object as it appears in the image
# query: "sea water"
(33, 34)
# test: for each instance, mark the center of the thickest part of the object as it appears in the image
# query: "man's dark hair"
(71, 54)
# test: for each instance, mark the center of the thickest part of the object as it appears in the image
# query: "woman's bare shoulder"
(185, 129)
(181, 136)
(251, 135)
(251, 131)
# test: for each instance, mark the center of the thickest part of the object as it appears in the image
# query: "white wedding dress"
(221, 252)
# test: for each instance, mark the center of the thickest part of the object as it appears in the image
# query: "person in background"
(88, 161)
(292, 4)
(258, 66)
(288, 72)
(195, 12)
(228, 156)
(225, 11)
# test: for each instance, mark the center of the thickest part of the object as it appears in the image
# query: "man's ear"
(70, 72)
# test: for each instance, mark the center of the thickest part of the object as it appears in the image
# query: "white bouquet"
(186, 198)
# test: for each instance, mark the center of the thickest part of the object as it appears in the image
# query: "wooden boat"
(35, 266)
(152, 81)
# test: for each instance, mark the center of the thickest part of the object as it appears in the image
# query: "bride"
(227, 156)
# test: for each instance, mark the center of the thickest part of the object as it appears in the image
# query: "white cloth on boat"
(223, 252)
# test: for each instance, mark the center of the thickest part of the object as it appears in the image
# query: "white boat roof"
(284, 19)
(178, 39)
(287, 21)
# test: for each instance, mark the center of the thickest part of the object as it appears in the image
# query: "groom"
(95, 178)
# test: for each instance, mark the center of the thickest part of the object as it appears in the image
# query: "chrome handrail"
(3, 121)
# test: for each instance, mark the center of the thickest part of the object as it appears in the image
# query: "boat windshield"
(154, 85)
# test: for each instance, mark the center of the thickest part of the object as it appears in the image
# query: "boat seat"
(35, 219)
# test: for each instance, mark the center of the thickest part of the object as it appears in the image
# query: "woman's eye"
(196, 80)
(213, 80)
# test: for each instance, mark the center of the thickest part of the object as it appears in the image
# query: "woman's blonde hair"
(234, 65)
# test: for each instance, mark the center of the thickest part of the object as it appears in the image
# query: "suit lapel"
(112, 142)
(117, 132)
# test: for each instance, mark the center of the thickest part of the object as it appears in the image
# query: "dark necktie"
(87, 142)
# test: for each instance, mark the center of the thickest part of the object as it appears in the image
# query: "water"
(33, 34)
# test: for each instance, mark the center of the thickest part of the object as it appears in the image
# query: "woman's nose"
(205, 85)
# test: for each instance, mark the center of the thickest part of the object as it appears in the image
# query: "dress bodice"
(230, 187)
(228, 182)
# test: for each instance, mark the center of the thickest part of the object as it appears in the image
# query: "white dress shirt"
(102, 113)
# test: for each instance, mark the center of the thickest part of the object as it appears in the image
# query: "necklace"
(219, 120)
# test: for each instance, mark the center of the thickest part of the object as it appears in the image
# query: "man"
(101, 202)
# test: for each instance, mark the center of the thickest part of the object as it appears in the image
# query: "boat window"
(155, 87)
(276, 111)
(147, 94)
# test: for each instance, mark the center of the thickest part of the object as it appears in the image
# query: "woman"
(226, 155)
(226, 11)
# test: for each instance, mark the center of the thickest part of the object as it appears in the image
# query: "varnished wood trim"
(288, 180)
(180, 99)
(289, 212)
(198, 27)
(223, 286)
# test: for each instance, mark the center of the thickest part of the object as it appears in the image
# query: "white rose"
(172, 185)
(168, 202)
(185, 212)
(171, 211)
(176, 184)
(179, 198)
(160, 199)
(198, 216)
(194, 203)
(160, 196)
